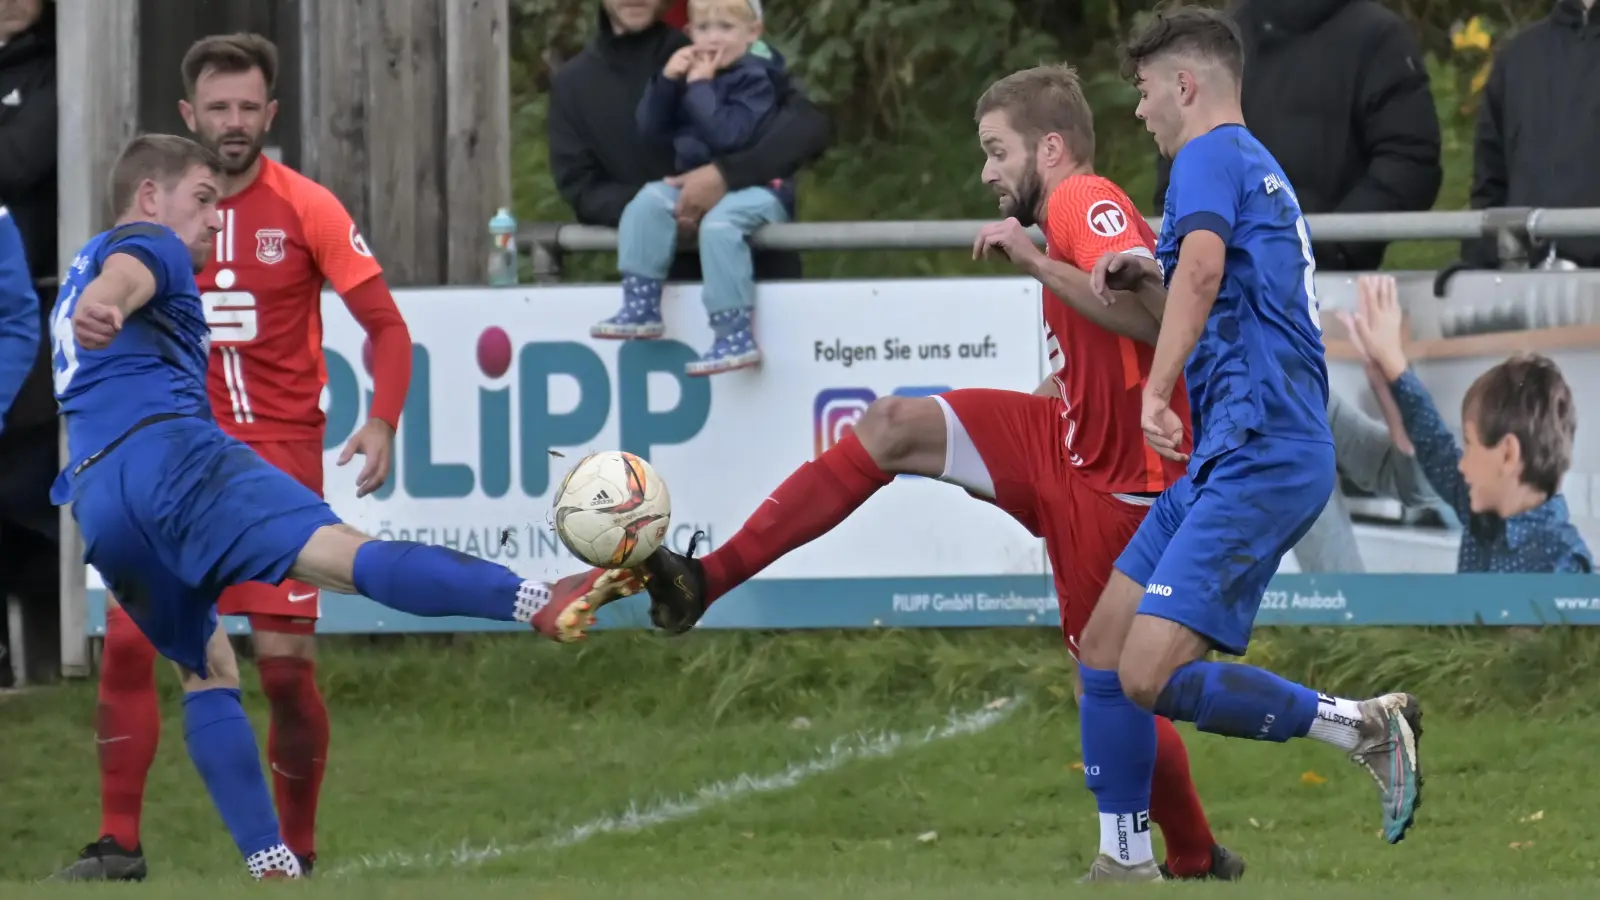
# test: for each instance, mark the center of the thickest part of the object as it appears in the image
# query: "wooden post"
(406, 105)
(405, 77)
(477, 87)
(373, 108)
(97, 84)
(334, 102)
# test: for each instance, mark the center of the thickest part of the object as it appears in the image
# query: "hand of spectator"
(1378, 328)
(1374, 374)
(95, 325)
(698, 191)
(704, 66)
(1010, 238)
(678, 66)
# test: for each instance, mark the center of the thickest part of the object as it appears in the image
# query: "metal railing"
(1512, 229)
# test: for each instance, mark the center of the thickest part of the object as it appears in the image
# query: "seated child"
(713, 97)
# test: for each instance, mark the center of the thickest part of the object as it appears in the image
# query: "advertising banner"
(509, 391)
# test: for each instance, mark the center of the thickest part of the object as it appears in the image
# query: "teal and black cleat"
(1391, 736)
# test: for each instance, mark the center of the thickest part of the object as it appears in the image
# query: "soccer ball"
(612, 510)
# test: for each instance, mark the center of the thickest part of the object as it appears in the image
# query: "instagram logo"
(836, 413)
(837, 410)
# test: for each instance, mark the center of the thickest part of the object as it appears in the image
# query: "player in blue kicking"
(172, 510)
(1234, 293)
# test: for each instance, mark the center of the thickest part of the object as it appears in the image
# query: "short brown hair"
(163, 158)
(1041, 101)
(230, 54)
(1196, 31)
(1526, 396)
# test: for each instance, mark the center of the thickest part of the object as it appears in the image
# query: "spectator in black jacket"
(28, 125)
(1538, 140)
(600, 161)
(1337, 90)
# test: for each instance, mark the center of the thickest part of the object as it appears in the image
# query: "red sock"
(1175, 806)
(297, 746)
(809, 503)
(127, 726)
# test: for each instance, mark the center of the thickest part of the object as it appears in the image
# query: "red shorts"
(294, 606)
(1020, 441)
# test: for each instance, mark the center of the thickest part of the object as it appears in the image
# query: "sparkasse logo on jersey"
(1106, 218)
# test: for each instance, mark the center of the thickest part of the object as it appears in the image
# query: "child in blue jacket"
(713, 97)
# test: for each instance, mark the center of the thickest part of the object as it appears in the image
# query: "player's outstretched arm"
(1072, 285)
(1193, 290)
(125, 284)
(1133, 275)
(1064, 279)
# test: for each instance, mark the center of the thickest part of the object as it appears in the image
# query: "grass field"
(864, 766)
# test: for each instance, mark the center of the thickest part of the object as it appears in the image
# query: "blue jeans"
(647, 240)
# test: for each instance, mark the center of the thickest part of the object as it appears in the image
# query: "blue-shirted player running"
(172, 510)
(1234, 292)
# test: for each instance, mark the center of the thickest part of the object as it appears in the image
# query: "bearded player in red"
(282, 236)
(1068, 461)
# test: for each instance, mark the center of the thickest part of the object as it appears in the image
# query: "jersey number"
(1311, 271)
(64, 358)
(231, 316)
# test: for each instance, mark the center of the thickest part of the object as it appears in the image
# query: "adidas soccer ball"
(612, 510)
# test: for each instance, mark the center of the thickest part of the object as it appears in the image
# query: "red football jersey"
(1102, 375)
(281, 239)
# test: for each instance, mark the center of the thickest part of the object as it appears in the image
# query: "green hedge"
(899, 82)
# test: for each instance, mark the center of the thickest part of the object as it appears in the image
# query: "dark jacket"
(27, 398)
(1338, 92)
(19, 317)
(1538, 139)
(600, 160)
(705, 119)
(28, 138)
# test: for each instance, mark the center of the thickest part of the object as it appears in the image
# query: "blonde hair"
(747, 11)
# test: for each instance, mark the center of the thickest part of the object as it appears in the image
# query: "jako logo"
(837, 410)
(1160, 590)
(541, 425)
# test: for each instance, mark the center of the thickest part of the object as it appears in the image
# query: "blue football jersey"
(1259, 366)
(156, 365)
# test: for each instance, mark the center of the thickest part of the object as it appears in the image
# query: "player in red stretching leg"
(1068, 461)
(281, 237)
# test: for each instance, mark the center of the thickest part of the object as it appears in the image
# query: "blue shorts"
(177, 512)
(1213, 541)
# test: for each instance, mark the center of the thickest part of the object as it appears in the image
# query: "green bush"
(899, 82)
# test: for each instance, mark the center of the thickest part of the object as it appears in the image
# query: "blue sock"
(1119, 744)
(1237, 700)
(223, 747)
(428, 580)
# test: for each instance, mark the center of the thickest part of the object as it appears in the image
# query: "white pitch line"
(640, 817)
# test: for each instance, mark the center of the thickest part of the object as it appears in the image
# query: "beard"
(1022, 202)
(232, 165)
